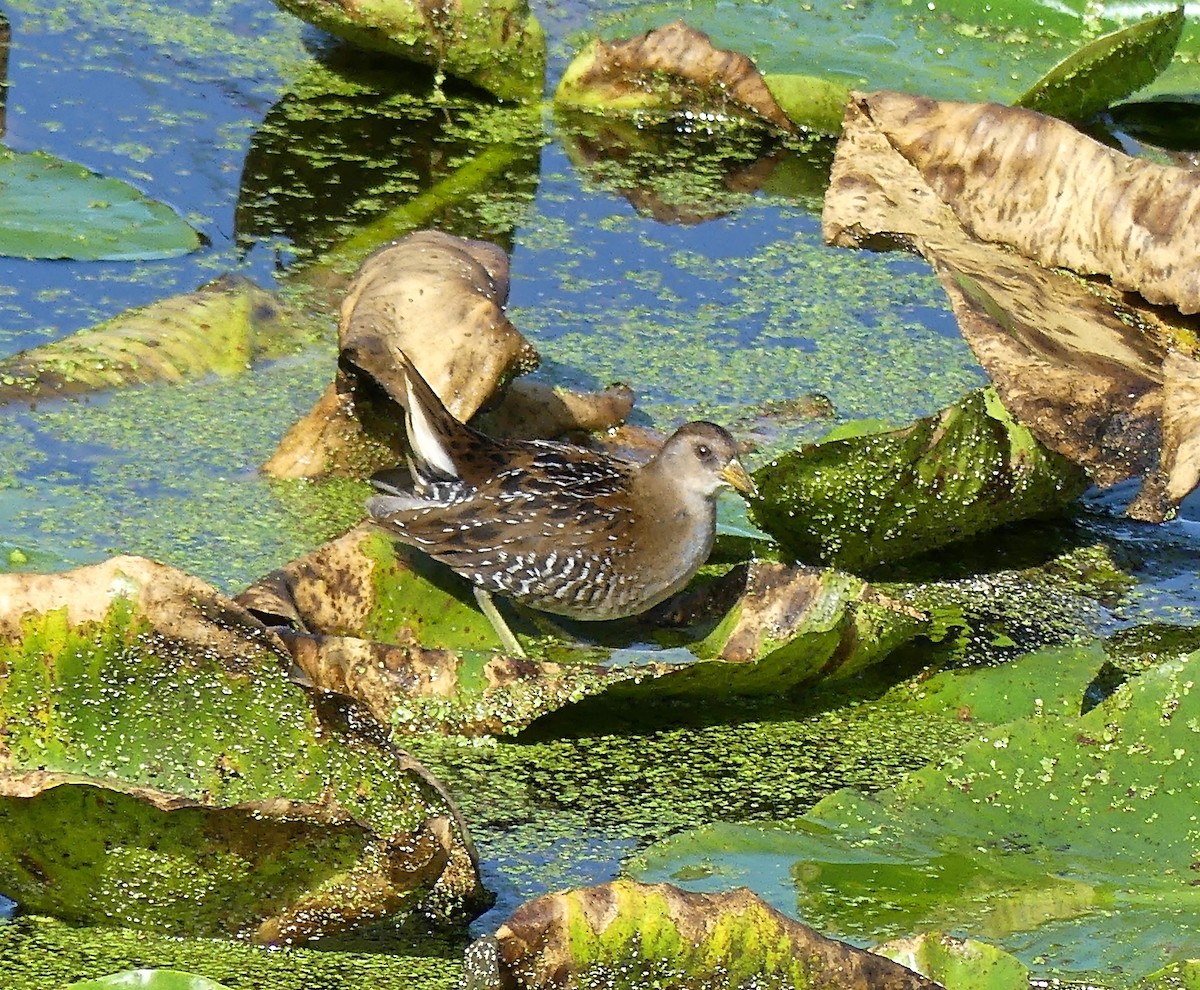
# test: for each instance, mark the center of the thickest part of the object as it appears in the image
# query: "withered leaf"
(439, 299)
(992, 196)
(674, 68)
(673, 937)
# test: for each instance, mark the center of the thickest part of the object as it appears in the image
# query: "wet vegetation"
(927, 687)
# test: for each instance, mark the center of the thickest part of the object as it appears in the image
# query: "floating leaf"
(50, 208)
(256, 820)
(1107, 69)
(812, 55)
(958, 964)
(673, 70)
(1069, 840)
(403, 636)
(862, 501)
(626, 934)
(223, 327)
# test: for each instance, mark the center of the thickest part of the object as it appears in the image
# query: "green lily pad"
(149, 979)
(861, 501)
(813, 55)
(160, 770)
(57, 209)
(1108, 69)
(1068, 840)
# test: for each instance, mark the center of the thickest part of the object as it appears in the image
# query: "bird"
(554, 526)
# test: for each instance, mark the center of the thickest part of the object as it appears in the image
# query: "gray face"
(702, 457)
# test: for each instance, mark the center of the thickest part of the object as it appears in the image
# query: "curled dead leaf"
(674, 938)
(530, 410)
(439, 299)
(992, 196)
(673, 68)
(1033, 182)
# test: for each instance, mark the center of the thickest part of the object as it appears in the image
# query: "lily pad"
(223, 328)
(255, 821)
(862, 501)
(633, 935)
(57, 209)
(1083, 363)
(1068, 840)
(402, 636)
(674, 70)
(1108, 69)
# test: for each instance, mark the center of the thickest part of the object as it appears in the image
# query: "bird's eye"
(702, 451)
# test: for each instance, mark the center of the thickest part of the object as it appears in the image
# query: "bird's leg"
(488, 607)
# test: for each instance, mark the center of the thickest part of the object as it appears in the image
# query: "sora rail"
(557, 527)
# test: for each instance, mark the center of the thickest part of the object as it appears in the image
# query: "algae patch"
(36, 953)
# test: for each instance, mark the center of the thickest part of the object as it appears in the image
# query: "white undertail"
(424, 439)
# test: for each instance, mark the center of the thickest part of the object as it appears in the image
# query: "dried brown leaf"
(439, 299)
(1181, 424)
(1075, 359)
(678, 67)
(1016, 177)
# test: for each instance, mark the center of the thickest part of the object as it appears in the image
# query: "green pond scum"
(38, 953)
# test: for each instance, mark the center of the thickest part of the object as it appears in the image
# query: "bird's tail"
(432, 429)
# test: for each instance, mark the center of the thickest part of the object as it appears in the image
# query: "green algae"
(720, 330)
(156, 979)
(262, 40)
(308, 178)
(574, 794)
(204, 507)
(92, 854)
(862, 501)
(36, 953)
(81, 699)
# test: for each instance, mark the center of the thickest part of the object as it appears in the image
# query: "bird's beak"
(734, 474)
